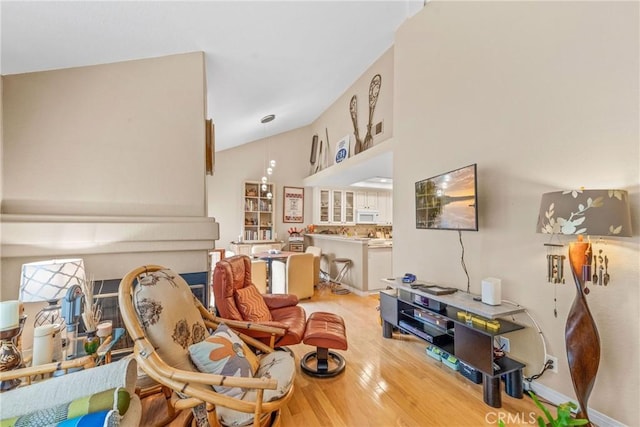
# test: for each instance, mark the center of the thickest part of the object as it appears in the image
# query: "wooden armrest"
(275, 327)
(163, 370)
(260, 327)
(85, 362)
(259, 345)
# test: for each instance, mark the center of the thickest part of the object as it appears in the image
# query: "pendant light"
(270, 166)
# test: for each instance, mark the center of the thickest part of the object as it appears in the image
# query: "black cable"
(464, 267)
(548, 364)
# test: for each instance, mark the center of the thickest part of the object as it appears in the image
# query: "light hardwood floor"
(387, 382)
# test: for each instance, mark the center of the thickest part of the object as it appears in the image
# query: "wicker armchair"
(162, 346)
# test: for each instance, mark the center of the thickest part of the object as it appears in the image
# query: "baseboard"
(557, 398)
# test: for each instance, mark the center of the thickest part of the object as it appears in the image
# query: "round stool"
(325, 331)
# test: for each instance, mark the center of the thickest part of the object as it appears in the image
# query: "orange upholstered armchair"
(276, 320)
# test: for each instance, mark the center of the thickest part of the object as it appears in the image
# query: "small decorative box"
(464, 316)
(479, 321)
(451, 361)
(493, 325)
(470, 373)
(434, 352)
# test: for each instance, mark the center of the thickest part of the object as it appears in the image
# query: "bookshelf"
(258, 212)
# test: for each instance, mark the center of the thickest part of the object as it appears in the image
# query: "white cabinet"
(343, 207)
(380, 266)
(385, 208)
(244, 248)
(367, 200)
(335, 207)
(323, 211)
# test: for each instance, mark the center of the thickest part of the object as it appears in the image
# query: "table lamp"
(49, 281)
(594, 213)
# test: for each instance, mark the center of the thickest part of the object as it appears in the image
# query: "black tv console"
(460, 326)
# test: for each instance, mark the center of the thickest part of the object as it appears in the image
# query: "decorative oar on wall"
(353, 110)
(314, 154)
(374, 91)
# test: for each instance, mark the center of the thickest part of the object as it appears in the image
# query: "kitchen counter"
(354, 239)
(371, 259)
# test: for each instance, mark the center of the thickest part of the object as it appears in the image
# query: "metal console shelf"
(434, 318)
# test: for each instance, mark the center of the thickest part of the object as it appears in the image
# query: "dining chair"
(317, 254)
(259, 274)
(295, 276)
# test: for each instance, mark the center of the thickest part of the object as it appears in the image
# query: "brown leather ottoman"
(325, 331)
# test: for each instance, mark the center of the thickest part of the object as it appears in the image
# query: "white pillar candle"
(43, 345)
(104, 328)
(9, 314)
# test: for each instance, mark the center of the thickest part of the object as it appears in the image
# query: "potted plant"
(564, 417)
(90, 317)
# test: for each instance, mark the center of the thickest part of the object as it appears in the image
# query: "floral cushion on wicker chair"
(169, 315)
(278, 365)
(224, 353)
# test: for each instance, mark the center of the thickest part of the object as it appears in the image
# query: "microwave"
(367, 216)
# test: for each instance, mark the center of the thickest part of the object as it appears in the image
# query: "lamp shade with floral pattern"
(590, 212)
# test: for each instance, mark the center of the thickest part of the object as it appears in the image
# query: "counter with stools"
(325, 331)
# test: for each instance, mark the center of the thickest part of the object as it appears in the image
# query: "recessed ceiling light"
(267, 118)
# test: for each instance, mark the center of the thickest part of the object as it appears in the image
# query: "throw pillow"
(252, 305)
(223, 353)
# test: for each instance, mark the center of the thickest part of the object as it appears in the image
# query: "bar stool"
(343, 270)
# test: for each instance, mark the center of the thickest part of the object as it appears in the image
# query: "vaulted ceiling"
(290, 58)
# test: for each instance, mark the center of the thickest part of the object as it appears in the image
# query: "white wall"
(336, 120)
(105, 162)
(290, 150)
(542, 96)
(115, 139)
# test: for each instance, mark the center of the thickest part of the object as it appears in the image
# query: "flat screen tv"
(448, 201)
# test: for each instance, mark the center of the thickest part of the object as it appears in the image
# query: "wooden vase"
(581, 335)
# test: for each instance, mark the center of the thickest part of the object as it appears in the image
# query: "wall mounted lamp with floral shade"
(593, 213)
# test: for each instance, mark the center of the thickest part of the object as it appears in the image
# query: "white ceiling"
(291, 58)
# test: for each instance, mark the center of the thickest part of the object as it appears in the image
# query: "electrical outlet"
(554, 362)
(504, 344)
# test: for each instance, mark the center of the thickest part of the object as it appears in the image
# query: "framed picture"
(293, 210)
(210, 147)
